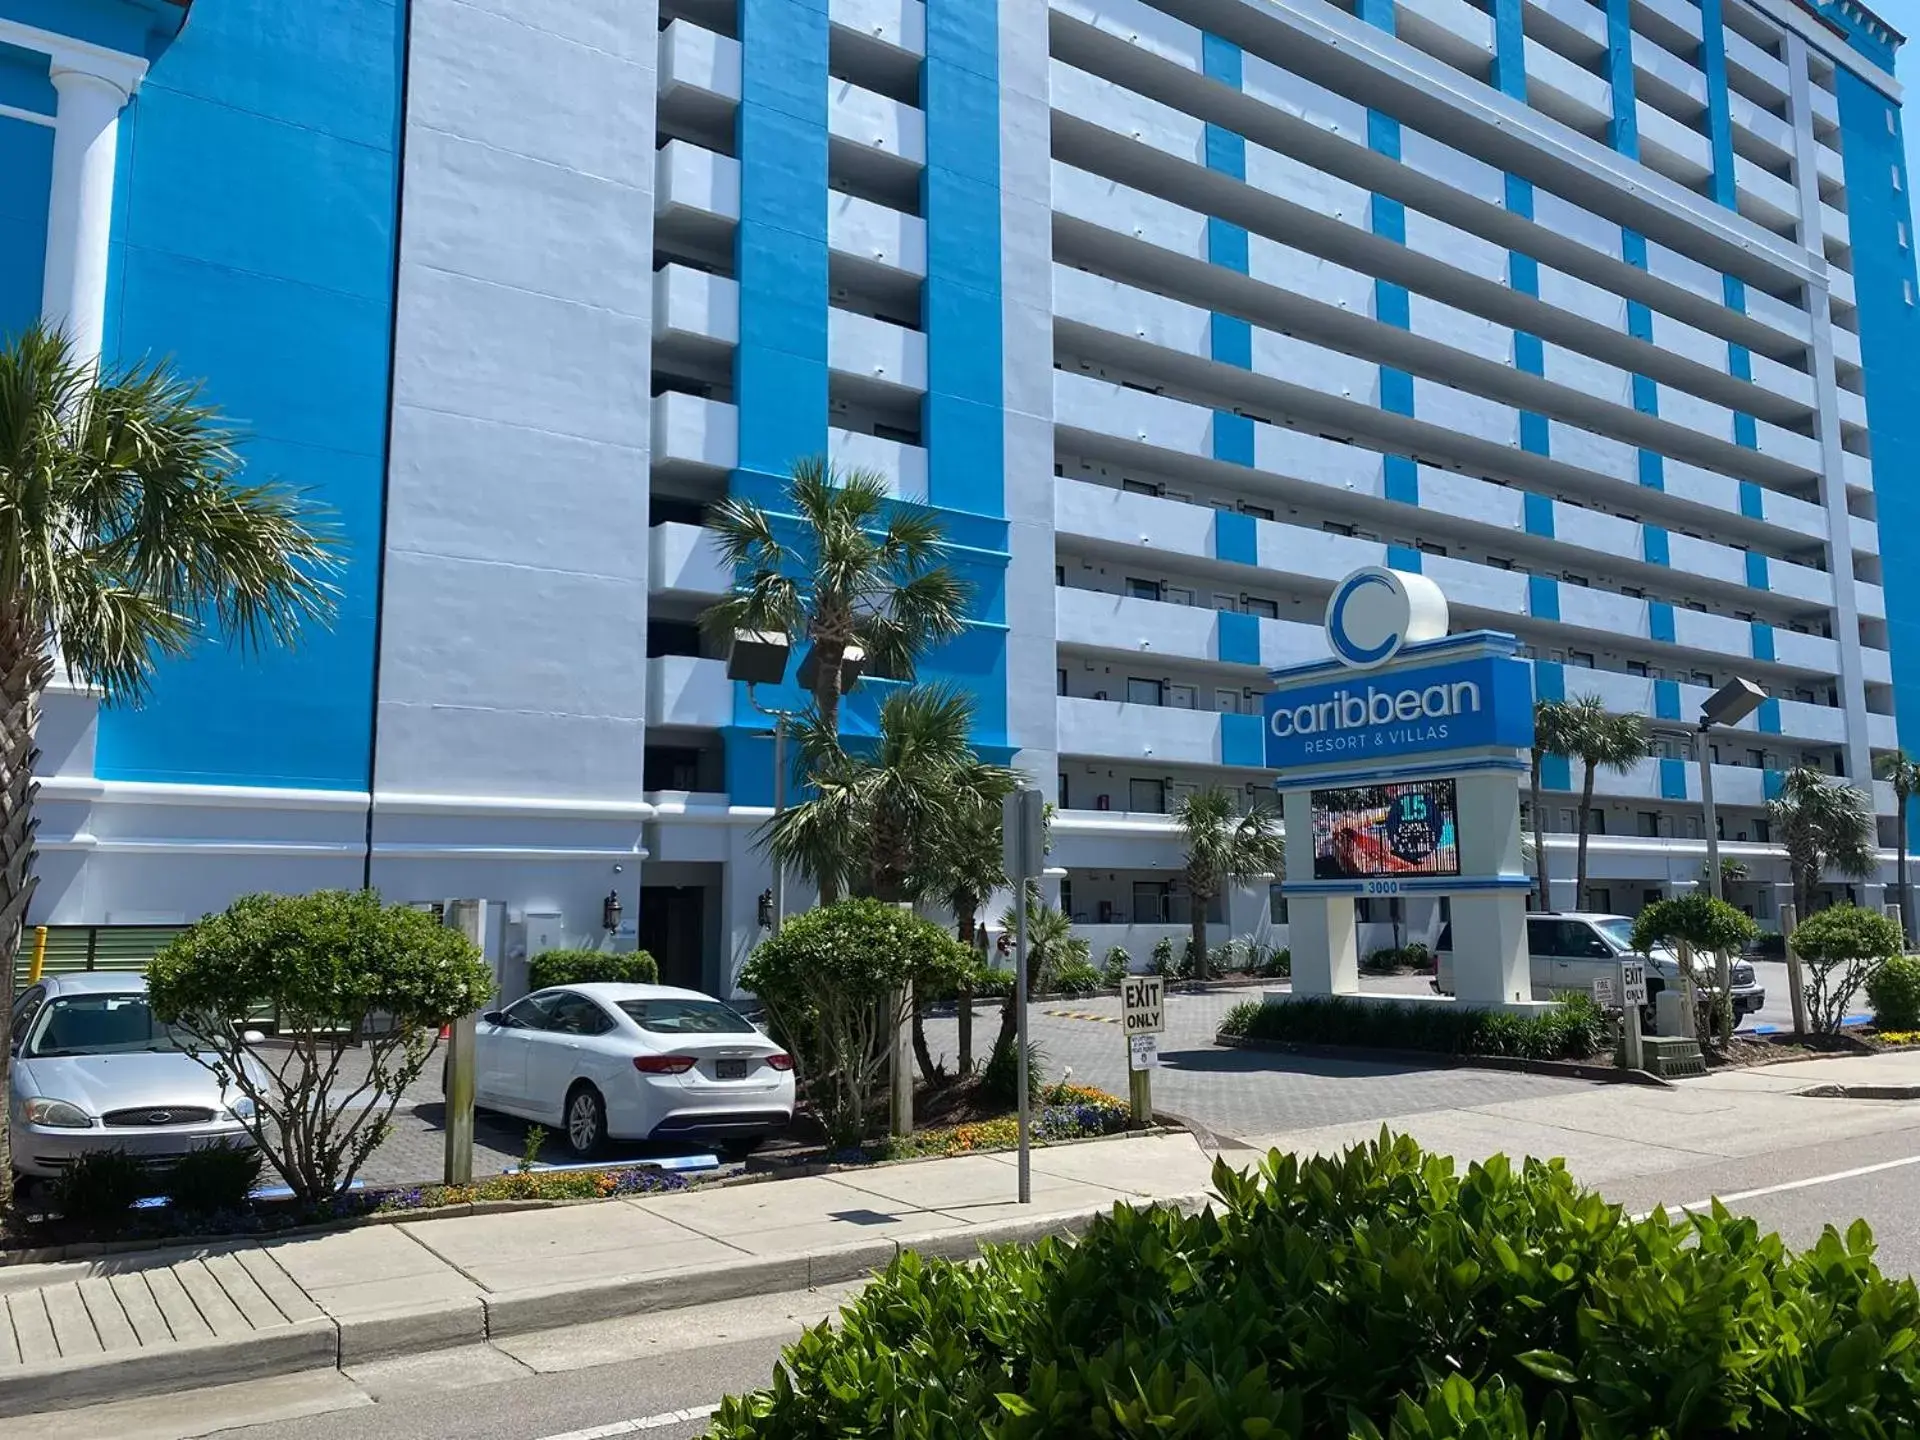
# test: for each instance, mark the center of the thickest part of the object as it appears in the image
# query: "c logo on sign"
(1374, 611)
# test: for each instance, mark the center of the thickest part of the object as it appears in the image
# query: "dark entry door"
(672, 930)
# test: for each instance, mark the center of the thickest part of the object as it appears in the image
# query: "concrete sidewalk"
(84, 1331)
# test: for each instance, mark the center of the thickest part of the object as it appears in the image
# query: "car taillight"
(780, 1062)
(663, 1064)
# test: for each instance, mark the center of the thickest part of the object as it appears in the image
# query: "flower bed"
(1065, 1112)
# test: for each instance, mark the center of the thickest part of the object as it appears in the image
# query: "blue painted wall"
(253, 244)
(26, 170)
(1890, 358)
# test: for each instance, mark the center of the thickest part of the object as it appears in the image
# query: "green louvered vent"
(74, 948)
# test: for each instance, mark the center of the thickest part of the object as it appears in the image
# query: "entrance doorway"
(673, 931)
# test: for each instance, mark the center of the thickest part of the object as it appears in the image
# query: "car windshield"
(1619, 931)
(687, 1017)
(101, 1025)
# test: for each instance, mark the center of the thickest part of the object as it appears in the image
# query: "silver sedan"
(94, 1070)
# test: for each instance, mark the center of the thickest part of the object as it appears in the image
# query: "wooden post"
(464, 915)
(900, 1093)
(1139, 1092)
(1630, 1019)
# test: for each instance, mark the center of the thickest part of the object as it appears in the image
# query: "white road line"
(634, 1427)
(1806, 1184)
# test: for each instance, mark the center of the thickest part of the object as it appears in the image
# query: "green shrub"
(1075, 977)
(1000, 1079)
(213, 1178)
(328, 965)
(99, 1189)
(591, 967)
(1118, 965)
(1377, 1292)
(1840, 948)
(1894, 992)
(1161, 962)
(834, 982)
(1573, 1030)
(1278, 965)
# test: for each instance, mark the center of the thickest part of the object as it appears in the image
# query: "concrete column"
(86, 131)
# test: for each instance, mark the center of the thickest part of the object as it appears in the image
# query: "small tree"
(1698, 923)
(1822, 825)
(1224, 847)
(1599, 740)
(1552, 720)
(1902, 772)
(1841, 948)
(835, 982)
(1051, 944)
(329, 965)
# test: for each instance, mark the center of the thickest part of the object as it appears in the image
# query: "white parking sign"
(1143, 1004)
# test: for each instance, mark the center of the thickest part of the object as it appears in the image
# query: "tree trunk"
(1543, 900)
(1586, 821)
(25, 669)
(1197, 930)
(964, 913)
(826, 699)
(1906, 888)
(922, 1053)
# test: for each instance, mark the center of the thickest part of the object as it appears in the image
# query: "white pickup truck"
(1570, 951)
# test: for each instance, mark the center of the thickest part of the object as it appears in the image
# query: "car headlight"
(241, 1109)
(39, 1110)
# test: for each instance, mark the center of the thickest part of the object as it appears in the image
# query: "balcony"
(1097, 620)
(694, 436)
(684, 561)
(699, 77)
(1158, 734)
(897, 24)
(685, 691)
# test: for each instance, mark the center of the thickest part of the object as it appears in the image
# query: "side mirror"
(495, 1017)
(253, 1037)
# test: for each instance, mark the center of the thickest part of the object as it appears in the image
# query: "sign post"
(1633, 995)
(464, 916)
(1143, 1018)
(1023, 842)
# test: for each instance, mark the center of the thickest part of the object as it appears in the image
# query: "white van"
(1570, 951)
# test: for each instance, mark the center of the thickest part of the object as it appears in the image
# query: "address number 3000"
(1383, 887)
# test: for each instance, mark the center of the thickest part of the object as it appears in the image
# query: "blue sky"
(1904, 16)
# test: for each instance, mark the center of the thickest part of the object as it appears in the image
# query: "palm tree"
(1051, 944)
(1552, 720)
(1600, 740)
(1224, 847)
(859, 568)
(1902, 772)
(1822, 826)
(126, 537)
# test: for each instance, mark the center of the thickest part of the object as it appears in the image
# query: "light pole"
(759, 657)
(1728, 705)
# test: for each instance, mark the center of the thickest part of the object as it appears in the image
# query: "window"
(1139, 487)
(1900, 232)
(1429, 547)
(1763, 830)
(1183, 697)
(1499, 564)
(1258, 512)
(1062, 779)
(1143, 692)
(1906, 291)
(687, 1017)
(1634, 667)
(1179, 595)
(1701, 677)
(530, 1013)
(576, 1015)
(1147, 797)
(27, 1004)
(1581, 658)
(1268, 609)
(1227, 702)
(1596, 821)
(1899, 183)
(1276, 905)
(1335, 527)
(1649, 823)
(1757, 759)
(1600, 899)
(1059, 574)
(1063, 683)
(1143, 589)
(1580, 580)
(1228, 603)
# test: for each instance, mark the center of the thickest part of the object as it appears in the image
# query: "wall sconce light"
(766, 909)
(610, 909)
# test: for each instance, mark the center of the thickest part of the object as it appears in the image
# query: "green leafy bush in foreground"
(1894, 993)
(1573, 1030)
(1374, 1294)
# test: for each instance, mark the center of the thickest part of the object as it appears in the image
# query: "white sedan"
(633, 1062)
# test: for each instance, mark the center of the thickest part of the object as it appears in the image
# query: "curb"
(326, 1343)
(1433, 1059)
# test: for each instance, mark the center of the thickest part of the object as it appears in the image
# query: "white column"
(86, 130)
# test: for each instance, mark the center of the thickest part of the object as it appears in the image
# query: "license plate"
(730, 1069)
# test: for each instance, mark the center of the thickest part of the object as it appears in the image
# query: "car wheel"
(586, 1121)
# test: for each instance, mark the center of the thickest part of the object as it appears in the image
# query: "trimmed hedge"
(1894, 992)
(1379, 1292)
(591, 967)
(1573, 1030)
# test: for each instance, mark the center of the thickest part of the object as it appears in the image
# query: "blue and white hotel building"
(1602, 315)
